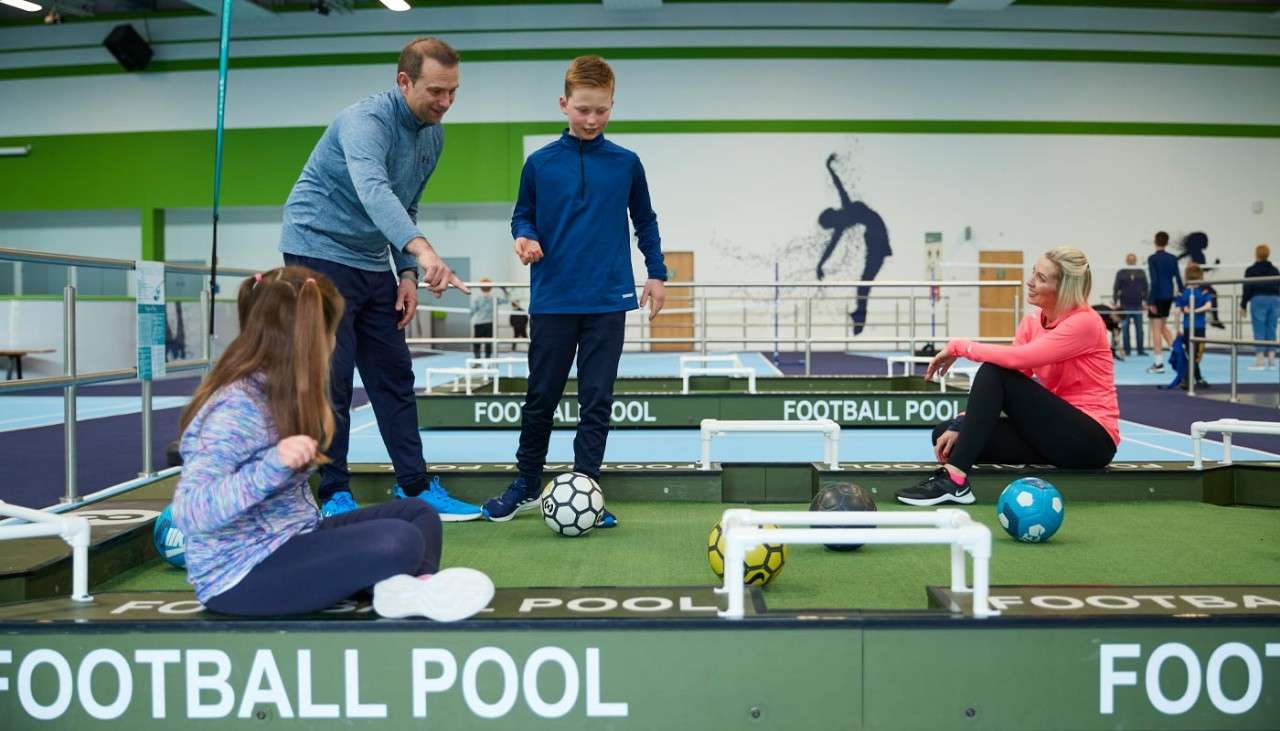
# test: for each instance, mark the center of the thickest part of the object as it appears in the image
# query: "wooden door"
(996, 305)
(676, 324)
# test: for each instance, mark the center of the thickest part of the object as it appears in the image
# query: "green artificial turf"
(1144, 543)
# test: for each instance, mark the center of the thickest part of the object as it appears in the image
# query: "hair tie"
(257, 279)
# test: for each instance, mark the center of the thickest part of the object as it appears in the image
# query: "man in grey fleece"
(352, 216)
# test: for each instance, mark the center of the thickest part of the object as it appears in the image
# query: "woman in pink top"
(1050, 398)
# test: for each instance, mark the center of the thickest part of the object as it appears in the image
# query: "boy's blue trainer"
(337, 504)
(607, 520)
(517, 498)
(451, 509)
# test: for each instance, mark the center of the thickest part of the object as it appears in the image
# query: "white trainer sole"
(449, 596)
(965, 499)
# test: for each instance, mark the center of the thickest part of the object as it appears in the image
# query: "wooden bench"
(15, 356)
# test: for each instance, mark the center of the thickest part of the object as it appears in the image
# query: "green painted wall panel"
(481, 162)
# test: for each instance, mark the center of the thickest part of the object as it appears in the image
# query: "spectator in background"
(1165, 283)
(1265, 297)
(483, 314)
(519, 323)
(1193, 302)
(1193, 246)
(1111, 318)
(1129, 293)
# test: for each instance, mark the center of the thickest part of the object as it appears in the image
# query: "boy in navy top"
(1165, 283)
(570, 225)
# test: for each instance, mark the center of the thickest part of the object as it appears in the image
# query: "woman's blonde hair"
(1074, 278)
(1262, 253)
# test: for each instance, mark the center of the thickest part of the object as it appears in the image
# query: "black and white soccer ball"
(571, 504)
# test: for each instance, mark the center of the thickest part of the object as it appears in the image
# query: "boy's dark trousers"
(368, 339)
(597, 340)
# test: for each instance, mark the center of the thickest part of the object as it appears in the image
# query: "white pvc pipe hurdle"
(509, 361)
(743, 530)
(732, 360)
(718, 427)
(465, 373)
(747, 373)
(1227, 427)
(70, 528)
(907, 361)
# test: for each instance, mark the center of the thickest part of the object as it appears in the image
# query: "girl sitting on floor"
(253, 433)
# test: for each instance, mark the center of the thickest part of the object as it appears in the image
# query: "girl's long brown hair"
(288, 317)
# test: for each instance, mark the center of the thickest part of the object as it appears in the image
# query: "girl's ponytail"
(311, 348)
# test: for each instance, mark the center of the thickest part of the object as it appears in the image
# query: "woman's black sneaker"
(937, 488)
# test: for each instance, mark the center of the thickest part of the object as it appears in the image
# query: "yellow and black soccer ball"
(762, 563)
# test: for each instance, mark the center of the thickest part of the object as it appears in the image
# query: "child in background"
(1204, 301)
(484, 313)
(253, 433)
(570, 226)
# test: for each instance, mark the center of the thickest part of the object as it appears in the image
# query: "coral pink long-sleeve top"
(1070, 357)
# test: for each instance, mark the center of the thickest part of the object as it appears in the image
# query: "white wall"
(728, 198)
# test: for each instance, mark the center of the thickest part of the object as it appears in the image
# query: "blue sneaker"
(340, 502)
(451, 509)
(607, 520)
(517, 498)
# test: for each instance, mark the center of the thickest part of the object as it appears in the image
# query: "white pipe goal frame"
(1226, 427)
(830, 430)
(744, 529)
(466, 373)
(509, 361)
(701, 365)
(70, 528)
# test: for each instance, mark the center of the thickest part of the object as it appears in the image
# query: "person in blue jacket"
(570, 227)
(1166, 282)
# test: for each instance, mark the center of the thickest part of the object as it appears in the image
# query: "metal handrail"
(71, 379)
(85, 379)
(1241, 280)
(95, 262)
(844, 284)
(1234, 342)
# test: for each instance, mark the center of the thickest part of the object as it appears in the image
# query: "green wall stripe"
(688, 53)
(672, 29)
(481, 162)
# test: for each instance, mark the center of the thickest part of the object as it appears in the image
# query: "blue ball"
(1030, 509)
(170, 543)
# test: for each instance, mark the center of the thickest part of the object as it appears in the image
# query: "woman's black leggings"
(1037, 428)
(346, 554)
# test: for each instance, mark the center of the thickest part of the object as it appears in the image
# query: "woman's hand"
(940, 364)
(942, 449)
(297, 452)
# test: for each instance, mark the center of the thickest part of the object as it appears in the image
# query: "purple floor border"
(109, 450)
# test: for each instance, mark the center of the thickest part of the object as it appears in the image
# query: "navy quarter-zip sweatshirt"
(574, 198)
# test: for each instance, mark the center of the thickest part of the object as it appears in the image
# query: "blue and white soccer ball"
(1030, 509)
(170, 543)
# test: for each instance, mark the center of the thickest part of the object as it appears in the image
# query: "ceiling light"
(21, 5)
